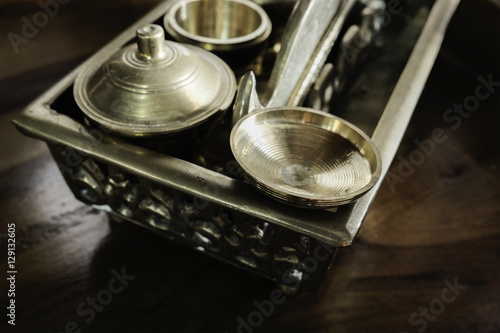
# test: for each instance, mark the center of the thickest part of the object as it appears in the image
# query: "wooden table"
(427, 257)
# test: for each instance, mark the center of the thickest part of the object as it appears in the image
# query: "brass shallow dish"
(304, 157)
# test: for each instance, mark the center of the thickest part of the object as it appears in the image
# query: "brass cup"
(232, 29)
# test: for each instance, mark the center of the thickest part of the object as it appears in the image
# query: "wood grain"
(440, 225)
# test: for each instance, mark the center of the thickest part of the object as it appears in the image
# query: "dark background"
(442, 223)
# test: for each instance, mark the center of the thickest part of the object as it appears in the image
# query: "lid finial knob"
(151, 41)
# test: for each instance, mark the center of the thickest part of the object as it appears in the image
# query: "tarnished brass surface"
(237, 238)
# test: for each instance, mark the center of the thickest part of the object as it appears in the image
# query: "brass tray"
(210, 208)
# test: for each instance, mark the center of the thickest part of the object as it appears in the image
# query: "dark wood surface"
(439, 226)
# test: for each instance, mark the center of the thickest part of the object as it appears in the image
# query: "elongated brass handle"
(309, 36)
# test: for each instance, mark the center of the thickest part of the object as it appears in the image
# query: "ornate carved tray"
(205, 204)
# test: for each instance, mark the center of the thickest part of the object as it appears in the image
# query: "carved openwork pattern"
(273, 251)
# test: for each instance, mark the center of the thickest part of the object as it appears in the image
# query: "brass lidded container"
(155, 87)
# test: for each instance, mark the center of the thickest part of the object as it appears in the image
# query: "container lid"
(155, 86)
